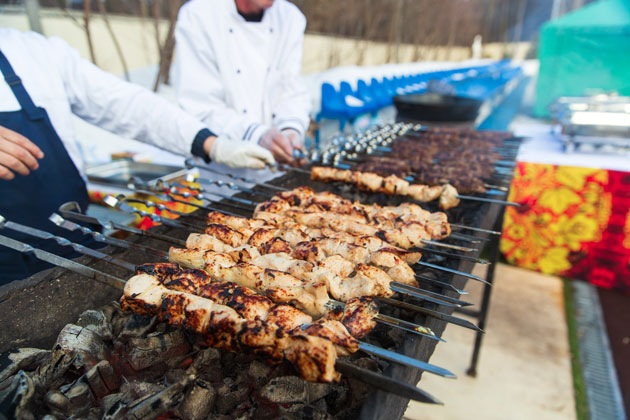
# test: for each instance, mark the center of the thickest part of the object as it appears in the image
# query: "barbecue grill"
(54, 298)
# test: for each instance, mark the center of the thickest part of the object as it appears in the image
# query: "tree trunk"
(32, 11)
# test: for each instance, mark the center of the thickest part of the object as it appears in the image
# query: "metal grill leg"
(487, 290)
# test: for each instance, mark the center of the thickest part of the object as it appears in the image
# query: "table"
(575, 218)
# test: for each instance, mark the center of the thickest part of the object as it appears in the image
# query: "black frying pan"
(436, 107)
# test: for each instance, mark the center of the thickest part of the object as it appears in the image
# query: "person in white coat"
(237, 68)
(44, 82)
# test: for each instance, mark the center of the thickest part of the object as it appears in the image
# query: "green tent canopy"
(586, 50)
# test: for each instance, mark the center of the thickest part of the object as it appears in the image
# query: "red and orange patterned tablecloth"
(573, 222)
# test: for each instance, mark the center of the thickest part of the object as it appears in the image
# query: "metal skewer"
(71, 210)
(450, 270)
(203, 196)
(496, 187)
(190, 164)
(466, 238)
(159, 206)
(435, 314)
(230, 185)
(422, 295)
(159, 192)
(423, 279)
(451, 255)
(112, 201)
(62, 262)
(439, 297)
(7, 224)
(66, 224)
(373, 378)
(405, 360)
(492, 232)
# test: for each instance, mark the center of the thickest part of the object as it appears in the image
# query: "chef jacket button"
(270, 30)
(230, 30)
(238, 71)
(244, 111)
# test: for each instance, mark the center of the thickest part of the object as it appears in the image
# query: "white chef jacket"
(61, 82)
(239, 77)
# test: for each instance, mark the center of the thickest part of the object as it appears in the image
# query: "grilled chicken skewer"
(392, 185)
(436, 224)
(350, 231)
(164, 256)
(340, 327)
(335, 268)
(294, 295)
(270, 218)
(308, 245)
(310, 295)
(219, 326)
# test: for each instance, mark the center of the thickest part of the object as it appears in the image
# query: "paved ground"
(524, 370)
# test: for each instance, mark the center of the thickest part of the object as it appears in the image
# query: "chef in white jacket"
(237, 68)
(45, 81)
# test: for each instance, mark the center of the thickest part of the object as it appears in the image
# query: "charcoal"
(285, 389)
(16, 398)
(83, 344)
(136, 390)
(207, 365)
(338, 397)
(97, 322)
(199, 401)
(259, 372)
(111, 403)
(137, 326)
(160, 403)
(56, 401)
(219, 417)
(175, 375)
(316, 391)
(80, 398)
(305, 412)
(158, 348)
(27, 359)
(228, 397)
(102, 379)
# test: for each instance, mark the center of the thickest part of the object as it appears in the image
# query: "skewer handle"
(63, 262)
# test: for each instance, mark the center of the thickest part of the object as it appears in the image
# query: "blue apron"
(31, 199)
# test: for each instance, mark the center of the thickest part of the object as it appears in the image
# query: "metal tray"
(120, 172)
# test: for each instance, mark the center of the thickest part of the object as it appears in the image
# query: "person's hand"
(297, 143)
(279, 145)
(237, 154)
(18, 155)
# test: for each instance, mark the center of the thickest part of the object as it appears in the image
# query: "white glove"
(239, 154)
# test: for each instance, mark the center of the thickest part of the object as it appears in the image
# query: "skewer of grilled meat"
(222, 327)
(436, 224)
(356, 317)
(269, 240)
(292, 232)
(408, 235)
(297, 244)
(357, 314)
(391, 185)
(283, 287)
